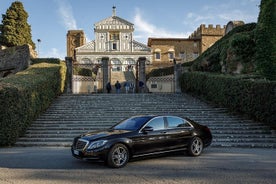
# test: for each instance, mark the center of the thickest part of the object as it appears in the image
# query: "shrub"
(25, 95)
(254, 97)
(236, 46)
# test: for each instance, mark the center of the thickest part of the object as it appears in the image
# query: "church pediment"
(90, 46)
(113, 22)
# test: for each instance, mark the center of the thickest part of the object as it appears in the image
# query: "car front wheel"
(195, 147)
(118, 156)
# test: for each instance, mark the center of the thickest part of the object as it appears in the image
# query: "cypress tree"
(266, 40)
(15, 29)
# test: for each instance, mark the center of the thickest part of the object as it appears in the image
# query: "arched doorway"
(129, 64)
(87, 76)
(116, 65)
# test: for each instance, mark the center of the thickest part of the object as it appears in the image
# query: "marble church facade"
(113, 44)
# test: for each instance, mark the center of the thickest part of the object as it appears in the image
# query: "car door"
(178, 131)
(151, 141)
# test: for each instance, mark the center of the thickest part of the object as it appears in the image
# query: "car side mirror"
(147, 129)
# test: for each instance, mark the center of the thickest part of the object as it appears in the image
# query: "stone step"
(72, 115)
(245, 140)
(244, 145)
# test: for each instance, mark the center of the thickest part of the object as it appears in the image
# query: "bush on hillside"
(25, 95)
(265, 58)
(226, 55)
(254, 97)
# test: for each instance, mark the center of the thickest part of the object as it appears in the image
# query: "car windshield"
(131, 124)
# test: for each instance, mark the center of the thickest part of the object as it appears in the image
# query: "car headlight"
(97, 144)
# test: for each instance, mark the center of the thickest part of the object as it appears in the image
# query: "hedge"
(238, 43)
(25, 95)
(265, 36)
(254, 97)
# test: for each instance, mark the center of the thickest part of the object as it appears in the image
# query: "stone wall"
(75, 38)
(178, 46)
(15, 59)
(208, 35)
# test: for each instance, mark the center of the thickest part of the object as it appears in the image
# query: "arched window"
(130, 64)
(157, 54)
(171, 54)
(116, 65)
(85, 61)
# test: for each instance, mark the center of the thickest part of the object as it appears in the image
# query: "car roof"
(153, 116)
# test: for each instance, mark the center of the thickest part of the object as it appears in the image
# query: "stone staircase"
(71, 115)
(122, 77)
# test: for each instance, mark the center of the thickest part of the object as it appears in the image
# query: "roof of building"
(150, 40)
(113, 20)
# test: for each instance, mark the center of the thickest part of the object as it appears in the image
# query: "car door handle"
(163, 132)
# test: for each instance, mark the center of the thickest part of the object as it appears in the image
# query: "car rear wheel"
(195, 147)
(118, 156)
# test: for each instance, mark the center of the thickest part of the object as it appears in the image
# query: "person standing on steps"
(126, 85)
(118, 87)
(132, 87)
(108, 87)
(141, 86)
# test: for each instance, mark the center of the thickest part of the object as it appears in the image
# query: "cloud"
(220, 14)
(66, 15)
(144, 29)
(53, 53)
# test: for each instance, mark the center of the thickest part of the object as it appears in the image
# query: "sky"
(50, 20)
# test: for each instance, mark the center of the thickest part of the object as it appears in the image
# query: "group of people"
(129, 87)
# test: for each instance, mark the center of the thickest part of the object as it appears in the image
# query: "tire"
(118, 156)
(195, 147)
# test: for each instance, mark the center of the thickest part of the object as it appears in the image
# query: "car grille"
(81, 144)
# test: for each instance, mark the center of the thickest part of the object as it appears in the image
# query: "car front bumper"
(99, 153)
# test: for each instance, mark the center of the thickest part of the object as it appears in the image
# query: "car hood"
(95, 135)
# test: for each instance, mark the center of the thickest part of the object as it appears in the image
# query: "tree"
(15, 29)
(266, 40)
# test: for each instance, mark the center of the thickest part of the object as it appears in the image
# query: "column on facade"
(177, 74)
(106, 72)
(141, 72)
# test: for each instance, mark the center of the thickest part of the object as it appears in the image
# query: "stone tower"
(75, 38)
(208, 35)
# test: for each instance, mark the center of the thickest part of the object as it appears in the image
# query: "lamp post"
(38, 42)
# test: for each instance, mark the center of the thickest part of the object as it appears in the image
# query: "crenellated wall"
(209, 30)
(208, 35)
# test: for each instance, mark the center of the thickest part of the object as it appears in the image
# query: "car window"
(132, 123)
(157, 123)
(176, 122)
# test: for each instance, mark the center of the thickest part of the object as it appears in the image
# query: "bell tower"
(75, 38)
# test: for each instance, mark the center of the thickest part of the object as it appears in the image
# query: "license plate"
(76, 152)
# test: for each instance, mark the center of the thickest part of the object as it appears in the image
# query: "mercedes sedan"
(141, 136)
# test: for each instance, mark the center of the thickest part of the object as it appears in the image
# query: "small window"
(157, 55)
(153, 86)
(175, 122)
(157, 123)
(114, 46)
(170, 55)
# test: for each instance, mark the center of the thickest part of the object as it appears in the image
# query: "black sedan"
(141, 136)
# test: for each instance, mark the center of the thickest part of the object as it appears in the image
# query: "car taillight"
(207, 129)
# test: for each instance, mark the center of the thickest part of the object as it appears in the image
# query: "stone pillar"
(69, 69)
(106, 72)
(177, 74)
(142, 72)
